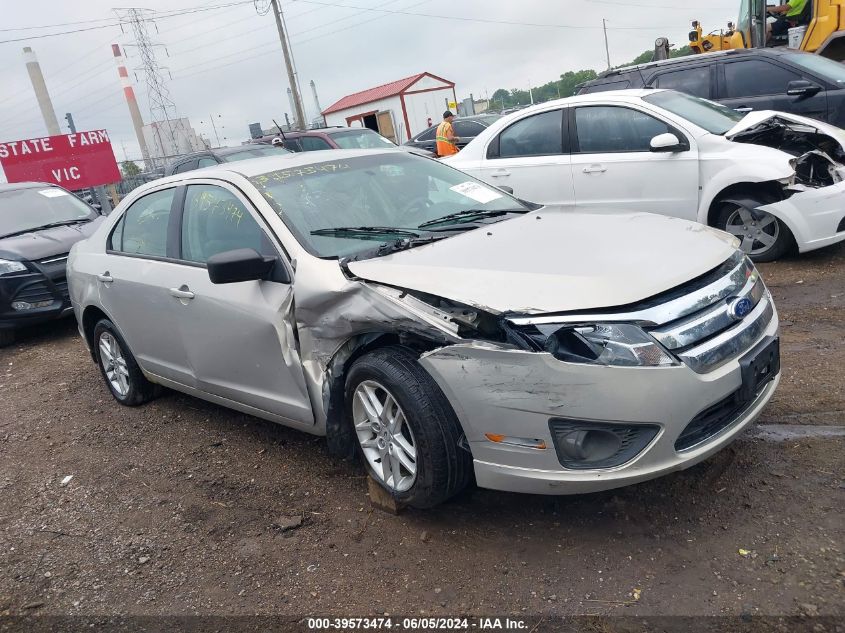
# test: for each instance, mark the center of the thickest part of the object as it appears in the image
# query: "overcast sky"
(227, 63)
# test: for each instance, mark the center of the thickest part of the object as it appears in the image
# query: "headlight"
(619, 344)
(8, 266)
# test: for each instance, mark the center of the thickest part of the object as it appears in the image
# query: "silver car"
(433, 325)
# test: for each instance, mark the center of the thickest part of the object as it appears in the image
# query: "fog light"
(26, 305)
(525, 442)
(581, 444)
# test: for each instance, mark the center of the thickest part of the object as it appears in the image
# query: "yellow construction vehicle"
(819, 29)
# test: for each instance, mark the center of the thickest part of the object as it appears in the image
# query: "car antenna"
(279, 127)
(642, 79)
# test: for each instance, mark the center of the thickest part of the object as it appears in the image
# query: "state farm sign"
(74, 161)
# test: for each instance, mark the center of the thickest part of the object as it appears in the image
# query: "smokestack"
(316, 98)
(292, 108)
(34, 70)
(132, 102)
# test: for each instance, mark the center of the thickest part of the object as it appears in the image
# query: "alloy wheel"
(758, 231)
(386, 438)
(114, 364)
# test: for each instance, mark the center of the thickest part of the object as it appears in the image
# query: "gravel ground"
(183, 507)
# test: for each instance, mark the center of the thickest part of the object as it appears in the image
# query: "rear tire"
(763, 237)
(405, 429)
(118, 367)
(7, 337)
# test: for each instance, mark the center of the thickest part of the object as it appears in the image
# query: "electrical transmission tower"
(164, 121)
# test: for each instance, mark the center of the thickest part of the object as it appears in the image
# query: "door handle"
(743, 109)
(594, 169)
(106, 278)
(501, 173)
(181, 293)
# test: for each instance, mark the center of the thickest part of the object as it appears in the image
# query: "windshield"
(394, 189)
(254, 152)
(822, 66)
(713, 117)
(361, 139)
(28, 209)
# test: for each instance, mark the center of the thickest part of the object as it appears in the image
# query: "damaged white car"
(430, 323)
(772, 179)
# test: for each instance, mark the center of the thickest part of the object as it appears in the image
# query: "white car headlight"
(8, 266)
(618, 344)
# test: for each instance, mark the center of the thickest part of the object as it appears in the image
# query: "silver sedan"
(431, 325)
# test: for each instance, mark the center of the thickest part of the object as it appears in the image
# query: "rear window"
(693, 81)
(360, 139)
(253, 152)
(622, 84)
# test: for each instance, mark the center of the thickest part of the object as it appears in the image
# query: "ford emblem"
(740, 308)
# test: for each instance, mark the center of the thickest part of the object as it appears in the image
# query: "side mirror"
(506, 189)
(244, 264)
(802, 88)
(667, 142)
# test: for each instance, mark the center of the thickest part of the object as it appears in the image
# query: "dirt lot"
(182, 507)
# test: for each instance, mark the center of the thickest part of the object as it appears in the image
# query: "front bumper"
(516, 393)
(43, 281)
(814, 216)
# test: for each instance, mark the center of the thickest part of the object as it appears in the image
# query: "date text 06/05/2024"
(417, 624)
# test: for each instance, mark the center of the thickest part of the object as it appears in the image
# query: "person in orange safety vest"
(447, 142)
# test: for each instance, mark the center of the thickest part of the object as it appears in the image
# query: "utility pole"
(99, 191)
(606, 49)
(299, 111)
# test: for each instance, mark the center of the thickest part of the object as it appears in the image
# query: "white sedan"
(772, 179)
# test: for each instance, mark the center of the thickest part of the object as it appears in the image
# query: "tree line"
(566, 85)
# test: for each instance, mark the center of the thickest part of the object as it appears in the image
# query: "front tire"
(406, 431)
(118, 367)
(763, 237)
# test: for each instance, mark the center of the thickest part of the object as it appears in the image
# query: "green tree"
(130, 168)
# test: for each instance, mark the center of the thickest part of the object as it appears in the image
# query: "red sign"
(73, 161)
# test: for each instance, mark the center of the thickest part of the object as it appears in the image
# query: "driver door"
(613, 165)
(238, 337)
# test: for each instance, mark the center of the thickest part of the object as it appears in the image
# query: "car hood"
(556, 261)
(753, 119)
(48, 242)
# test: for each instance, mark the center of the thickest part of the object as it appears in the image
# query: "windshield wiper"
(468, 215)
(51, 225)
(366, 232)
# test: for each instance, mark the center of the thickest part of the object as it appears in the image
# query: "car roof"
(715, 55)
(14, 186)
(257, 166)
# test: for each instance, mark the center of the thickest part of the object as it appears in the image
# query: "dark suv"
(466, 128)
(212, 157)
(745, 80)
(39, 223)
(337, 137)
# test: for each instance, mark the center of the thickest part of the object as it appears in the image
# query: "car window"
(206, 162)
(293, 144)
(255, 151)
(313, 143)
(713, 117)
(603, 129)
(215, 221)
(25, 209)
(752, 77)
(822, 66)
(467, 128)
(537, 135)
(143, 228)
(693, 81)
(186, 166)
(361, 139)
(428, 135)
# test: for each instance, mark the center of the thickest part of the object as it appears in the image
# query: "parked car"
(338, 137)
(38, 224)
(466, 128)
(431, 323)
(211, 157)
(772, 179)
(745, 80)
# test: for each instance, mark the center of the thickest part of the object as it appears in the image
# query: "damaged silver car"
(431, 324)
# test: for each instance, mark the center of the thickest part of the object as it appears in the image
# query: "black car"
(745, 80)
(38, 225)
(211, 157)
(465, 127)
